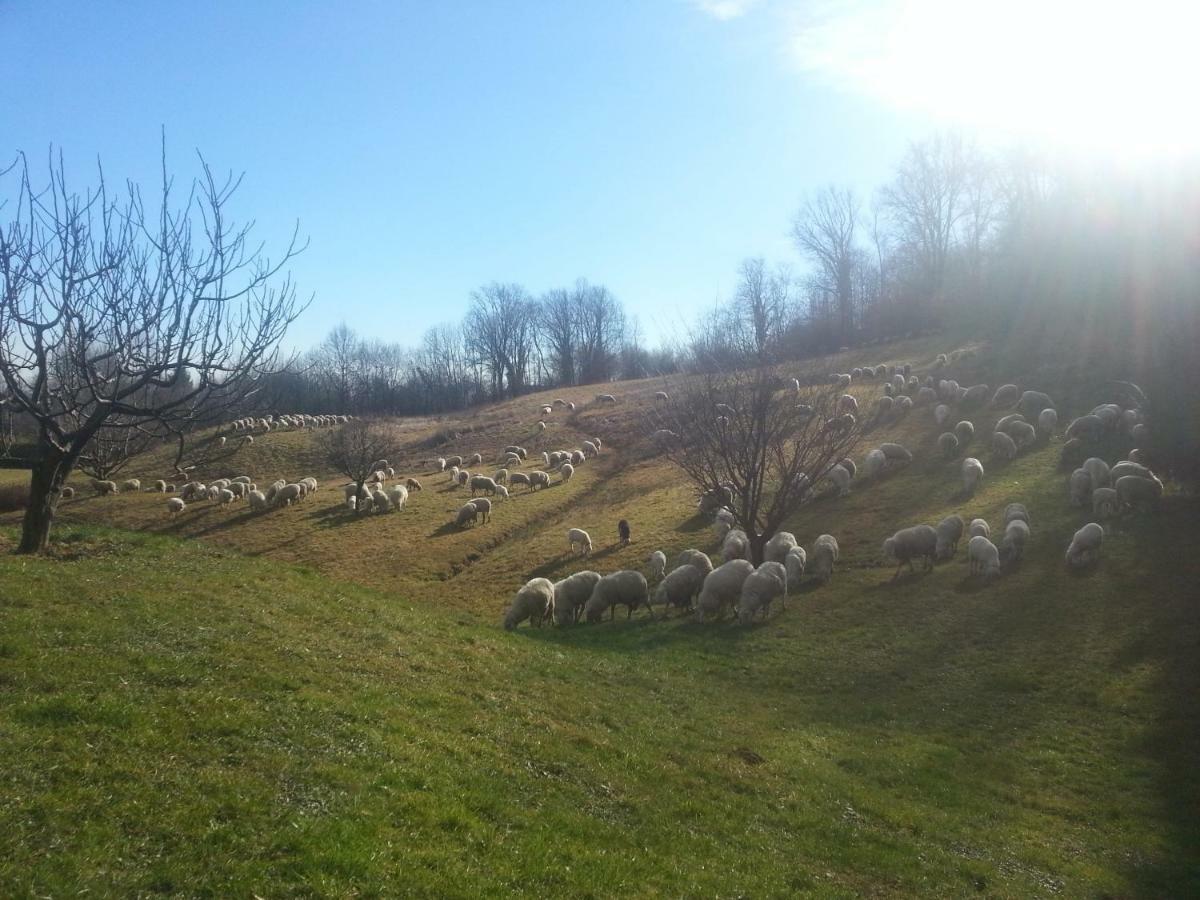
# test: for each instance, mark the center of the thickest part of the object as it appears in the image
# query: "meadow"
(307, 702)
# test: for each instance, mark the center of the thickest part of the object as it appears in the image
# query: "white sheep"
(463, 477)
(840, 479)
(1104, 502)
(1033, 402)
(538, 479)
(722, 588)
(541, 426)
(160, 486)
(105, 487)
(1134, 490)
(735, 546)
(658, 564)
(570, 595)
(580, 537)
(896, 453)
(795, 563)
(175, 506)
(483, 506)
(1079, 487)
(605, 398)
(546, 410)
(1084, 548)
(1016, 511)
(948, 444)
(983, 556)
(1126, 467)
(482, 483)
(941, 413)
(441, 464)
(476, 460)
(661, 397)
(258, 500)
(874, 463)
(1047, 422)
(467, 515)
(287, 495)
(679, 587)
(762, 586)
(226, 496)
(907, 544)
(824, 555)
(1003, 446)
(979, 527)
(518, 478)
(453, 462)
(723, 523)
(1006, 395)
(131, 484)
(972, 475)
(949, 532)
(565, 471)
(589, 449)
(777, 548)
(696, 558)
(534, 601)
(1016, 536)
(1097, 469)
(398, 495)
(501, 492)
(623, 588)
(965, 432)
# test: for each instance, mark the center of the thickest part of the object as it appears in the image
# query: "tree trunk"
(45, 489)
(758, 544)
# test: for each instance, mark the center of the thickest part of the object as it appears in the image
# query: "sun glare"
(1112, 78)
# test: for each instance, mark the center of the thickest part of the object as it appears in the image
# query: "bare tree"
(762, 307)
(601, 332)
(501, 331)
(113, 447)
(115, 310)
(354, 448)
(737, 430)
(560, 327)
(824, 230)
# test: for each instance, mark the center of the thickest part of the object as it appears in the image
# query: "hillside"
(308, 702)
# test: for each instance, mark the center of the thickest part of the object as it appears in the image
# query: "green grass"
(304, 703)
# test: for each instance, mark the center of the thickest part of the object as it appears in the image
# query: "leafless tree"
(825, 230)
(114, 446)
(500, 330)
(761, 304)
(560, 328)
(601, 332)
(354, 448)
(115, 309)
(769, 446)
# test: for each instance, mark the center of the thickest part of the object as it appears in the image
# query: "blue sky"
(428, 148)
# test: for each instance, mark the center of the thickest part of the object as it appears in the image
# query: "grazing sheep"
(1140, 432)
(541, 426)
(534, 601)
(1080, 487)
(794, 563)
(565, 471)
(979, 527)
(948, 444)
(824, 555)
(398, 495)
(453, 462)
(1098, 470)
(1033, 402)
(658, 563)
(580, 537)
(1047, 422)
(1006, 395)
(68, 493)
(412, 484)
(571, 406)
(949, 532)
(226, 496)
(258, 500)
(883, 406)
(605, 398)
(849, 466)
(777, 548)
(1008, 421)
(1134, 490)
(1104, 502)
(903, 405)
(624, 588)
(482, 483)
(1015, 511)
(975, 395)
(518, 478)
(1136, 456)
(467, 515)
(105, 487)
(570, 595)
(983, 556)
(379, 501)
(661, 396)
(722, 588)
(908, 544)
(762, 586)
(287, 495)
(696, 558)
(1084, 548)
(623, 532)
(1016, 535)
(476, 460)
(972, 475)
(538, 479)
(1073, 452)
(131, 484)
(723, 523)
(874, 463)
(840, 478)
(589, 449)
(577, 457)
(559, 401)
(679, 588)
(847, 403)
(735, 546)
(714, 500)
(463, 477)
(483, 506)
(160, 487)
(175, 506)
(1087, 428)
(1125, 467)
(546, 410)
(1003, 446)
(441, 464)
(925, 396)
(896, 453)
(941, 413)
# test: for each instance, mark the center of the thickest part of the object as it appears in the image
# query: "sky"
(650, 145)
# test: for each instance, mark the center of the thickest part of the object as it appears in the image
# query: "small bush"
(13, 497)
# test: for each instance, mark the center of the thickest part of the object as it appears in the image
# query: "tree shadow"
(697, 522)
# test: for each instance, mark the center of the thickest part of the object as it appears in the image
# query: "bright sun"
(1105, 77)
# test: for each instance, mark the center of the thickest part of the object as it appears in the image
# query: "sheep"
(518, 478)
(258, 500)
(453, 462)
(534, 601)
(972, 475)
(287, 495)
(1006, 395)
(714, 500)
(68, 493)
(975, 395)
(948, 444)
(1023, 434)
(1088, 428)
(590, 449)
(1140, 433)
(380, 501)
(559, 401)
(541, 426)
(883, 406)
(1104, 502)
(476, 460)
(1047, 422)
(1033, 402)
(909, 543)
(903, 405)
(847, 403)
(131, 484)
(454, 470)
(577, 457)
(735, 546)
(762, 586)
(571, 406)
(679, 588)
(501, 492)
(105, 487)
(1133, 490)
(1004, 447)
(463, 477)
(605, 398)
(565, 471)
(467, 515)
(1016, 535)
(925, 396)
(623, 532)
(658, 563)
(571, 593)
(582, 538)
(389, 472)
(949, 532)
(896, 453)
(483, 506)
(226, 496)
(175, 506)
(794, 563)
(538, 479)
(1136, 456)
(824, 555)
(979, 527)
(1098, 470)
(482, 483)
(722, 587)
(1084, 548)
(160, 487)
(398, 495)
(849, 466)
(412, 484)
(1014, 512)
(983, 556)
(1079, 487)
(546, 410)
(777, 548)
(696, 558)
(1073, 452)
(840, 478)
(624, 588)
(441, 464)
(874, 463)
(1125, 467)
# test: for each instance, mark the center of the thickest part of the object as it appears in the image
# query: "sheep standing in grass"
(516, 478)
(735, 546)
(467, 515)
(1004, 447)
(160, 486)
(577, 536)
(1079, 487)
(483, 506)
(565, 471)
(589, 449)
(534, 601)
(722, 588)
(874, 463)
(840, 479)
(1033, 402)
(761, 587)
(482, 483)
(398, 495)
(949, 532)
(723, 522)
(679, 588)
(287, 495)
(102, 488)
(1084, 548)
(226, 496)
(380, 501)
(175, 506)
(794, 563)
(570, 595)
(658, 563)
(538, 479)
(1016, 536)
(907, 544)
(624, 588)
(1047, 422)
(896, 453)
(965, 432)
(1104, 503)
(463, 477)
(983, 556)
(941, 413)
(777, 548)
(68, 493)
(1097, 470)
(258, 500)
(1006, 395)
(979, 527)
(948, 444)
(696, 558)
(972, 475)
(1134, 490)
(825, 554)
(131, 484)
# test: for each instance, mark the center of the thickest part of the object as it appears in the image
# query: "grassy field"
(308, 703)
